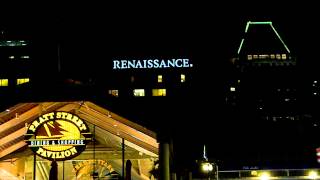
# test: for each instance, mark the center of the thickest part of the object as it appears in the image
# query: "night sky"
(210, 33)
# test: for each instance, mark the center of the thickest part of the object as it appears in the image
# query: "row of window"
(140, 92)
(5, 82)
(267, 56)
(13, 43)
(160, 78)
(182, 78)
(21, 57)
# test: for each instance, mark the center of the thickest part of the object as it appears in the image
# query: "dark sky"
(208, 31)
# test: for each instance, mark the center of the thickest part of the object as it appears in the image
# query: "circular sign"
(58, 136)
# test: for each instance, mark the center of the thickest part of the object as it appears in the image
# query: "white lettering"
(116, 64)
(151, 63)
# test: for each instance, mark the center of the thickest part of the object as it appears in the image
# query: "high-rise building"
(266, 75)
(271, 95)
(16, 57)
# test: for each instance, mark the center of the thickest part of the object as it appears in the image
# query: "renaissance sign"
(151, 63)
(58, 136)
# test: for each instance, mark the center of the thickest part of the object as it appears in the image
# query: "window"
(278, 56)
(11, 57)
(132, 79)
(159, 78)
(25, 57)
(255, 56)
(232, 89)
(183, 78)
(114, 92)
(263, 56)
(249, 57)
(22, 81)
(272, 56)
(283, 56)
(13, 43)
(138, 92)
(4, 82)
(159, 92)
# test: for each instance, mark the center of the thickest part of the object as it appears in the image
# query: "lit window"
(263, 56)
(232, 89)
(158, 92)
(183, 78)
(13, 43)
(272, 56)
(283, 56)
(11, 57)
(278, 56)
(22, 81)
(138, 92)
(25, 57)
(114, 92)
(159, 78)
(255, 56)
(4, 82)
(249, 57)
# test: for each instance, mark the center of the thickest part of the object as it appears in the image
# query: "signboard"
(58, 136)
(151, 63)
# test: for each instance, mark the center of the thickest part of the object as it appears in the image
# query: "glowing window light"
(159, 78)
(183, 78)
(4, 82)
(114, 92)
(22, 81)
(159, 92)
(138, 92)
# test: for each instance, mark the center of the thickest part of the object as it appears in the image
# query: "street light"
(209, 167)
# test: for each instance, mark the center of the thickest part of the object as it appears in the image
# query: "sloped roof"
(14, 120)
(261, 37)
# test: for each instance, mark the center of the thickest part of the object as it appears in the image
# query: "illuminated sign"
(58, 136)
(151, 63)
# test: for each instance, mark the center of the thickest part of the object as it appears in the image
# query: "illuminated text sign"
(151, 63)
(58, 136)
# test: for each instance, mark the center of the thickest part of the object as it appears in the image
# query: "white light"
(8, 110)
(207, 167)
(315, 81)
(315, 93)
(312, 175)
(232, 89)
(264, 176)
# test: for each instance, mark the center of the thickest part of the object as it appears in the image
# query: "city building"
(270, 92)
(144, 89)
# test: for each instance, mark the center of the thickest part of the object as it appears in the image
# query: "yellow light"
(183, 78)
(264, 176)
(4, 82)
(254, 173)
(313, 175)
(159, 78)
(207, 167)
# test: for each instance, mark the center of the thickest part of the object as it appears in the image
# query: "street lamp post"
(207, 167)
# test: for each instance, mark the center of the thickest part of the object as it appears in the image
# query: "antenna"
(205, 153)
